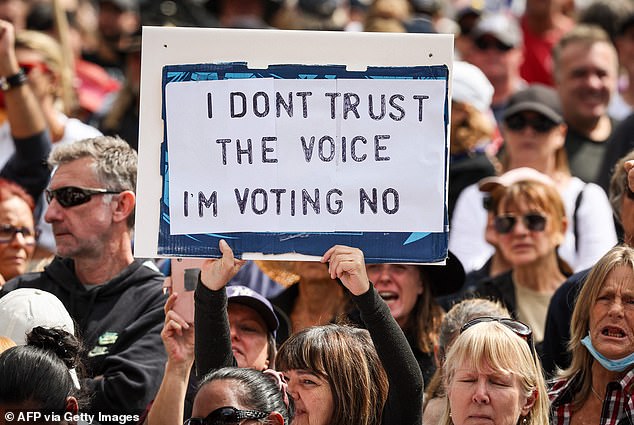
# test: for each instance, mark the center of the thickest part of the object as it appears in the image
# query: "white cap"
(489, 184)
(23, 309)
(470, 85)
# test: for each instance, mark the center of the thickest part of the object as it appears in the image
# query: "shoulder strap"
(574, 216)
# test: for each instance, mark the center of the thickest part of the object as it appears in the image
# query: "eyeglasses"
(8, 232)
(70, 196)
(226, 415)
(539, 123)
(488, 43)
(505, 223)
(27, 67)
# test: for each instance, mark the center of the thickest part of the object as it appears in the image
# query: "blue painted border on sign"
(377, 246)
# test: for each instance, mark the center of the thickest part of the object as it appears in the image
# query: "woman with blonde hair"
(492, 374)
(597, 383)
(456, 317)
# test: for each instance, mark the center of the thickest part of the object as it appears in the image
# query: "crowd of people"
(528, 322)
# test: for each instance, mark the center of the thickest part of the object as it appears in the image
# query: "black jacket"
(557, 331)
(119, 323)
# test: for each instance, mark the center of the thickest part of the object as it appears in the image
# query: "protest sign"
(294, 157)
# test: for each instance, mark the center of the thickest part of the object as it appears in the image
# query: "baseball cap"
(489, 184)
(501, 26)
(537, 98)
(246, 296)
(470, 85)
(23, 309)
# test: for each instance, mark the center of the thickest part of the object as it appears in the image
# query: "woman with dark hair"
(42, 376)
(253, 395)
(342, 375)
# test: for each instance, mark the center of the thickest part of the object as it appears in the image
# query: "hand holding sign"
(348, 265)
(215, 274)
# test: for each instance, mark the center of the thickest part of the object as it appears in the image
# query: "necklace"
(596, 394)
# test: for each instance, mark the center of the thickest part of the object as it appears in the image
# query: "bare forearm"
(169, 405)
(23, 110)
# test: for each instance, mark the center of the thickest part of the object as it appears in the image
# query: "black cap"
(537, 98)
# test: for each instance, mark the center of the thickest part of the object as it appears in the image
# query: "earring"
(525, 420)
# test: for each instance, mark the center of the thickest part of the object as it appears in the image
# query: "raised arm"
(178, 339)
(405, 397)
(27, 165)
(213, 338)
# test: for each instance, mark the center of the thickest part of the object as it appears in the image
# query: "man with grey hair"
(117, 301)
(557, 332)
(586, 67)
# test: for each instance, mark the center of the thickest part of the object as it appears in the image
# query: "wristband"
(12, 81)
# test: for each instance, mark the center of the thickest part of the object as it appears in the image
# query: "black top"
(557, 331)
(120, 324)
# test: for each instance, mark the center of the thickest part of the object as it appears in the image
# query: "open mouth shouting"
(613, 332)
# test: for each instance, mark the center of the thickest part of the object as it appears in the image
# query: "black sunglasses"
(226, 415)
(533, 221)
(520, 329)
(70, 196)
(539, 123)
(488, 43)
(8, 232)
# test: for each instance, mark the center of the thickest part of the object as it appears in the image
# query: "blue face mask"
(618, 365)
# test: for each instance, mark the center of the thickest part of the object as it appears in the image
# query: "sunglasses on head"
(539, 123)
(8, 232)
(70, 196)
(520, 329)
(226, 415)
(533, 221)
(484, 43)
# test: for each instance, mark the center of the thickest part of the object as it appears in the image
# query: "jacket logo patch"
(98, 351)
(108, 338)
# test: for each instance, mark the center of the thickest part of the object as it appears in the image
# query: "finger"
(169, 304)
(173, 327)
(172, 315)
(227, 252)
(328, 254)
